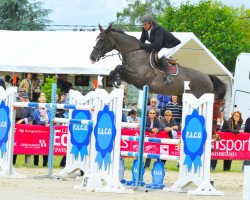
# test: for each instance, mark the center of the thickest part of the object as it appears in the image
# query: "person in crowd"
(15, 83)
(23, 116)
(26, 85)
(41, 117)
(61, 114)
(169, 125)
(153, 105)
(132, 118)
(176, 110)
(246, 130)
(153, 125)
(35, 88)
(234, 126)
(124, 116)
(221, 125)
(8, 83)
(164, 100)
(2, 83)
(160, 40)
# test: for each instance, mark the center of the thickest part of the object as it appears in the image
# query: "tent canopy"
(68, 53)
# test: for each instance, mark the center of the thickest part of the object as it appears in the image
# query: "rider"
(161, 40)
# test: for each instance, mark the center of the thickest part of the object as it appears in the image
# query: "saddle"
(156, 63)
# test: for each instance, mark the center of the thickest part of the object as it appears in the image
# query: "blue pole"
(139, 177)
(52, 132)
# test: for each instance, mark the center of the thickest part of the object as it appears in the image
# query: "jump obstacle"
(101, 161)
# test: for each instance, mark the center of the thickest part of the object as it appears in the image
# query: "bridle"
(100, 50)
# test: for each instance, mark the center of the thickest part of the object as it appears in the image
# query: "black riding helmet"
(147, 19)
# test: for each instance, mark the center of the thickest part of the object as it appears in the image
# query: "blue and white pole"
(139, 177)
(52, 131)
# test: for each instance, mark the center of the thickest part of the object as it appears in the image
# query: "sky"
(93, 12)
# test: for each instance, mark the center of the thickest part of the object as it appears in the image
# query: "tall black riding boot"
(165, 67)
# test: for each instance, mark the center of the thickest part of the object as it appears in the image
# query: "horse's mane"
(122, 32)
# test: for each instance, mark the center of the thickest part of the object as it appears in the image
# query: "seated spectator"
(168, 124)
(234, 126)
(23, 116)
(246, 130)
(154, 126)
(41, 117)
(132, 118)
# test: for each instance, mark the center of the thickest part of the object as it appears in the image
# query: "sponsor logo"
(164, 149)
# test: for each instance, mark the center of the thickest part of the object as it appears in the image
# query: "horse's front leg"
(115, 76)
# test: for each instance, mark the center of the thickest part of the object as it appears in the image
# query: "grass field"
(170, 165)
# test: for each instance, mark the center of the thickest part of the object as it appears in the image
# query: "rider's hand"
(142, 45)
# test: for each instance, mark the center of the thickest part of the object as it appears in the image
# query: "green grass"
(169, 166)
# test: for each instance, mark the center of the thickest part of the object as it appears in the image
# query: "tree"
(22, 15)
(222, 29)
(130, 17)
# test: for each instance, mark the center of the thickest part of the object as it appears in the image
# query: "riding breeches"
(167, 52)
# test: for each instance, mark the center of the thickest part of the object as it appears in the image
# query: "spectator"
(41, 117)
(26, 85)
(61, 112)
(176, 110)
(154, 126)
(153, 105)
(16, 83)
(234, 126)
(168, 124)
(23, 116)
(164, 100)
(35, 88)
(7, 79)
(246, 130)
(221, 125)
(132, 118)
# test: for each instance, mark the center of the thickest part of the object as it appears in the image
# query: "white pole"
(246, 183)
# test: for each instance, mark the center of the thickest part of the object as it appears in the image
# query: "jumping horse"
(137, 70)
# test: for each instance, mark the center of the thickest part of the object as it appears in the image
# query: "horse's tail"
(219, 87)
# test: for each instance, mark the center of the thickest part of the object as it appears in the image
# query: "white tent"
(68, 53)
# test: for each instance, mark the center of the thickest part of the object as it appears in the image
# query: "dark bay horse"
(136, 69)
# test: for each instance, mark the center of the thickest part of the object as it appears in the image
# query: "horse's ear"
(109, 28)
(100, 28)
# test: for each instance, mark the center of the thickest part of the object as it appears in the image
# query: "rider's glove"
(142, 45)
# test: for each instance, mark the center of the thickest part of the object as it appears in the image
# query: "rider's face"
(147, 26)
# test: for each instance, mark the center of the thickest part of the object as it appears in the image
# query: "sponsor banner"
(34, 139)
(149, 147)
(232, 147)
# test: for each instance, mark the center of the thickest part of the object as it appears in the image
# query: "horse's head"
(103, 45)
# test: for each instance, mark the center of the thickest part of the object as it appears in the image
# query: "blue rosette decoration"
(80, 133)
(4, 127)
(194, 136)
(105, 132)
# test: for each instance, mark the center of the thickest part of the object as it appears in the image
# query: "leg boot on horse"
(165, 66)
